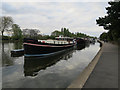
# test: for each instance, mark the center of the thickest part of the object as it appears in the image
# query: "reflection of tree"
(6, 59)
(87, 44)
(33, 65)
(80, 46)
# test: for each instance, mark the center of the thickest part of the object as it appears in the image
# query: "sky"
(51, 16)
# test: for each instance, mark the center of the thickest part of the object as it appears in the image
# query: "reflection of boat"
(80, 41)
(45, 47)
(33, 65)
(92, 40)
(80, 47)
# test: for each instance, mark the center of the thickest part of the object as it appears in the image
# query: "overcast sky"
(50, 16)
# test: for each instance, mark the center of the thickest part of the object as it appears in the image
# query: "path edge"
(84, 75)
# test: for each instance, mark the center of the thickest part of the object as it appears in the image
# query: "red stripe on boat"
(45, 45)
(29, 40)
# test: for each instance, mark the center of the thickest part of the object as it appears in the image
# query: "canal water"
(56, 71)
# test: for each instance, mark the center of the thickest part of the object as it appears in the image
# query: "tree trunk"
(2, 34)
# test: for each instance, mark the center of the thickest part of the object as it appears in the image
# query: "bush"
(6, 38)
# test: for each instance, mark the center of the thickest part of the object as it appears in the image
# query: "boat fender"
(43, 41)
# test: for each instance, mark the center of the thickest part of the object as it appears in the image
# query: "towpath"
(102, 72)
(105, 73)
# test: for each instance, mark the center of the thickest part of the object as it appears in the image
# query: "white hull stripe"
(46, 45)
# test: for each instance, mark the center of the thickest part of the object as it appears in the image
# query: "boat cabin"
(58, 40)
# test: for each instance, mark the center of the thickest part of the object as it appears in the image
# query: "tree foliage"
(56, 33)
(103, 36)
(5, 23)
(111, 21)
(17, 33)
(66, 33)
(31, 33)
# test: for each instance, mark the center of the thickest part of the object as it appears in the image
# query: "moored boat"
(17, 52)
(42, 48)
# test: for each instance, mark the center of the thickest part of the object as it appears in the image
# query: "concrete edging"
(84, 75)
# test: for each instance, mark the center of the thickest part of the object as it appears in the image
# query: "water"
(56, 71)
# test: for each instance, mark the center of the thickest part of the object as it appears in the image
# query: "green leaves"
(66, 33)
(103, 36)
(17, 33)
(111, 21)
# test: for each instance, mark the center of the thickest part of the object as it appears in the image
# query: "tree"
(31, 33)
(5, 23)
(65, 32)
(17, 33)
(56, 33)
(103, 36)
(34, 33)
(111, 21)
(81, 34)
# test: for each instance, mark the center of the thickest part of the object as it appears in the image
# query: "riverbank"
(102, 72)
(11, 41)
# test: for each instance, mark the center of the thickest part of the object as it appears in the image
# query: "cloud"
(56, 0)
(49, 16)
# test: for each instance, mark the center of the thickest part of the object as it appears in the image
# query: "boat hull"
(43, 49)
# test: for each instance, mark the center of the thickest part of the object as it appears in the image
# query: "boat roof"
(63, 37)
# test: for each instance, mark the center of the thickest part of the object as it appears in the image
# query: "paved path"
(105, 73)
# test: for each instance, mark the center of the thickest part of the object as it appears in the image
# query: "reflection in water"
(56, 71)
(6, 59)
(18, 45)
(33, 65)
(80, 47)
(93, 43)
(87, 44)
